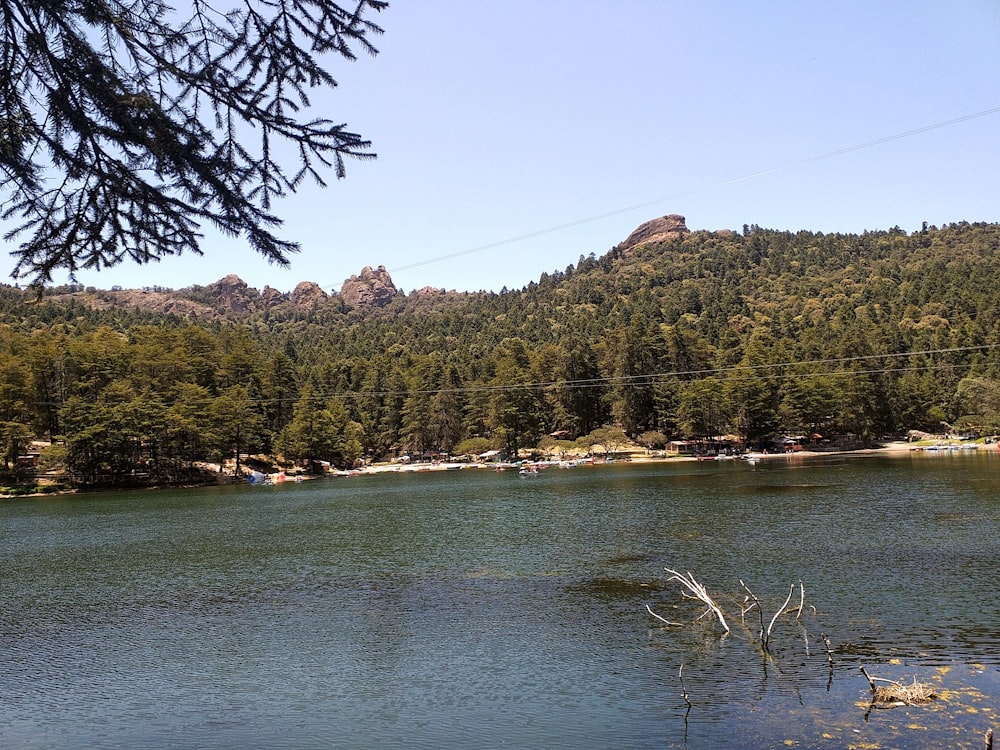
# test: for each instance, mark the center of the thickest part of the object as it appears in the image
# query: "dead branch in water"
(829, 649)
(684, 692)
(894, 693)
(756, 603)
(744, 608)
(696, 590)
(700, 593)
(777, 614)
(765, 635)
(662, 619)
(829, 660)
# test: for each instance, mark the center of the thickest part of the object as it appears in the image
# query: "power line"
(713, 186)
(652, 378)
(645, 379)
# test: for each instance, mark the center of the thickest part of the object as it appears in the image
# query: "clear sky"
(514, 136)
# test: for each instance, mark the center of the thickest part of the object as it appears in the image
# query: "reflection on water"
(470, 609)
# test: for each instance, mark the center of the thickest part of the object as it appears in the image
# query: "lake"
(470, 609)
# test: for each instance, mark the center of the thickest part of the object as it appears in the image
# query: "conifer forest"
(752, 334)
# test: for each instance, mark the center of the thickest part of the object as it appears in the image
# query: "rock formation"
(373, 288)
(307, 294)
(664, 228)
(231, 293)
(271, 296)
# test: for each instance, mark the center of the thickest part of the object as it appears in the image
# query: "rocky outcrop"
(373, 288)
(430, 292)
(664, 228)
(233, 295)
(166, 303)
(271, 297)
(308, 294)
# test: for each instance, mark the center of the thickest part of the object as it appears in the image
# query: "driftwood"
(829, 660)
(767, 636)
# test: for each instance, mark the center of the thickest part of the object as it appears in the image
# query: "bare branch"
(778, 613)
(661, 619)
(684, 692)
(756, 603)
(699, 591)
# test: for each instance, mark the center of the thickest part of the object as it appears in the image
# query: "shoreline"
(894, 448)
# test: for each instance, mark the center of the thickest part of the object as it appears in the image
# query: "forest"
(754, 334)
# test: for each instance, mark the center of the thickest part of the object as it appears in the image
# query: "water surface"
(475, 609)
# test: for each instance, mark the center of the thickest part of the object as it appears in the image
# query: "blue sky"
(514, 136)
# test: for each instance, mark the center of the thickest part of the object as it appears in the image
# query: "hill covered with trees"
(670, 334)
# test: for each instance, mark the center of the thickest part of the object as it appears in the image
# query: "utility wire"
(648, 378)
(705, 188)
(652, 378)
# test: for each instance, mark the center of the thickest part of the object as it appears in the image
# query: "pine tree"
(143, 113)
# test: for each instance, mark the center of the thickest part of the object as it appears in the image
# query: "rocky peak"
(373, 288)
(232, 293)
(271, 296)
(664, 228)
(307, 294)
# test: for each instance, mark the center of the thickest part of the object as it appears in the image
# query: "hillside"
(670, 334)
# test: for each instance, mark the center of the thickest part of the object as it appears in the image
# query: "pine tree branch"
(146, 116)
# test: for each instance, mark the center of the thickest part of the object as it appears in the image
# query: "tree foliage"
(125, 125)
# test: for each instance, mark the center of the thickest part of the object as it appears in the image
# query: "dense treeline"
(753, 334)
